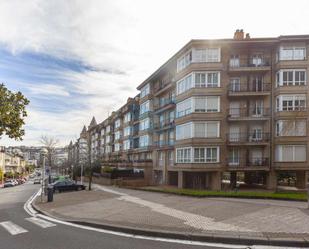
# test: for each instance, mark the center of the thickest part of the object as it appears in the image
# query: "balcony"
(261, 66)
(164, 125)
(164, 105)
(255, 138)
(247, 114)
(249, 89)
(145, 115)
(164, 144)
(255, 163)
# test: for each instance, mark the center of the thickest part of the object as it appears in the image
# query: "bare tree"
(50, 144)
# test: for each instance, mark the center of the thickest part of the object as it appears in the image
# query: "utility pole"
(44, 152)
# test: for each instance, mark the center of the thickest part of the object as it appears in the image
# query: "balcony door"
(234, 157)
(234, 61)
(257, 108)
(234, 135)
(257, 84)
(256, 157)
(256, 134)
(257, 60)
(235, 84)
(234, 109)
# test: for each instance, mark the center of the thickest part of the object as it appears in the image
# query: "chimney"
(239, 34)
(247, 36)
(236, 34)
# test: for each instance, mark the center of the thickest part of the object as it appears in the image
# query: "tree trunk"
(90, 179)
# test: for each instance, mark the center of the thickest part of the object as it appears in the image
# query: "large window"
(210, 129)
(291, 128)
(145, 107)
(117, 147)
(184, 107)
(291, 102)
(144, 141)
(290, 77)
(117, 123)
(127, 117)
(145, 90)
(207, 55)
(291, 153)
(126, 144)
(198, 104)
(292, 53)
(117, 135)
(144, 124)
(198, 79)
(197, 155)
(184, 61)
(184, 84)
(127, 131)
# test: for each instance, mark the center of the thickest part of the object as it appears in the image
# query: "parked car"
(66, 185)
(8, 183)
(37, 181)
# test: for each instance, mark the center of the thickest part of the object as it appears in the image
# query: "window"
(144, 124)
(184, 131)
(197, 155)
(145, 90)
(234, 61)
(291, 102)
(292, 53)
(184, 84)
(108, 129)
(126, 144)
(207, 104)
(184, 61)
(198, 79)
(127, 131)
(207, 55)
(290, 77)
(117, 135)
(127, 117)
(108, 149)
(207, 79)
(184, 107)
(183, 155)
(117, 147)
(144, 141)
(291, 153)
(291, 128)
(117, 123)
(171, 158)
(145, 107)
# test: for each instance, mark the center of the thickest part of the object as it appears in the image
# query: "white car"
(37, 181)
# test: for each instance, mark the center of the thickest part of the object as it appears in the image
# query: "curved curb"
(210, 238)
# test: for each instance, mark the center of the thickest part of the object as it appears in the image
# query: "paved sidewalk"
(263, 220)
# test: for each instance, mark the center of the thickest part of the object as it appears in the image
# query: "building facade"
(227, 106)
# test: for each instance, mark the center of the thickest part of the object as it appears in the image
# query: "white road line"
(12, 228)
(40, 222)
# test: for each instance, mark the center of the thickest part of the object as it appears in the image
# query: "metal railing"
(253, 112)
(254, 137)
(249, 87)
(248, 162)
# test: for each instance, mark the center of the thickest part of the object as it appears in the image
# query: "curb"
(210, 238)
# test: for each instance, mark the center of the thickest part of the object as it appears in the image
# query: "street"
(18, 230)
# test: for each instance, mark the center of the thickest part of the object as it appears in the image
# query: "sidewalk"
(208, 219)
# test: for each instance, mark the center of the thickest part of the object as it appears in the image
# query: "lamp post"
(44, 153)
(81, 173)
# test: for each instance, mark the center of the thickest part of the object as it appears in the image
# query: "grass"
(293, 196)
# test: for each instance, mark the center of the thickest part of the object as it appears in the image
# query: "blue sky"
(77, 59)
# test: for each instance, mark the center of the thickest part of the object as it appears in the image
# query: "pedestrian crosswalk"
(15, 229)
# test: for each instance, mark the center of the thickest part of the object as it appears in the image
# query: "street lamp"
(43, 153)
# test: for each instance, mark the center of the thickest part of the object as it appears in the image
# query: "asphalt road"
(37, 234)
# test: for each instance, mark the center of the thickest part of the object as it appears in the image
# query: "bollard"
(50, 193)
(308, 194)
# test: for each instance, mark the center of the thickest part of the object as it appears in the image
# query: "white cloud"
(130, 36)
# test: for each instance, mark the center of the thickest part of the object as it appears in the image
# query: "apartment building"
(11, 163)
(225, 106)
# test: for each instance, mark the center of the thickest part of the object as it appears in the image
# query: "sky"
(76, 59)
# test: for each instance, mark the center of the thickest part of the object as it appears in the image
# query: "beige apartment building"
(219, 107)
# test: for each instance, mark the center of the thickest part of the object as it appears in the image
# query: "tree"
(12, 113)
(50, 144)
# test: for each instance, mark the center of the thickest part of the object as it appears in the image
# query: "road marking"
(12, 228)
(40, 222)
